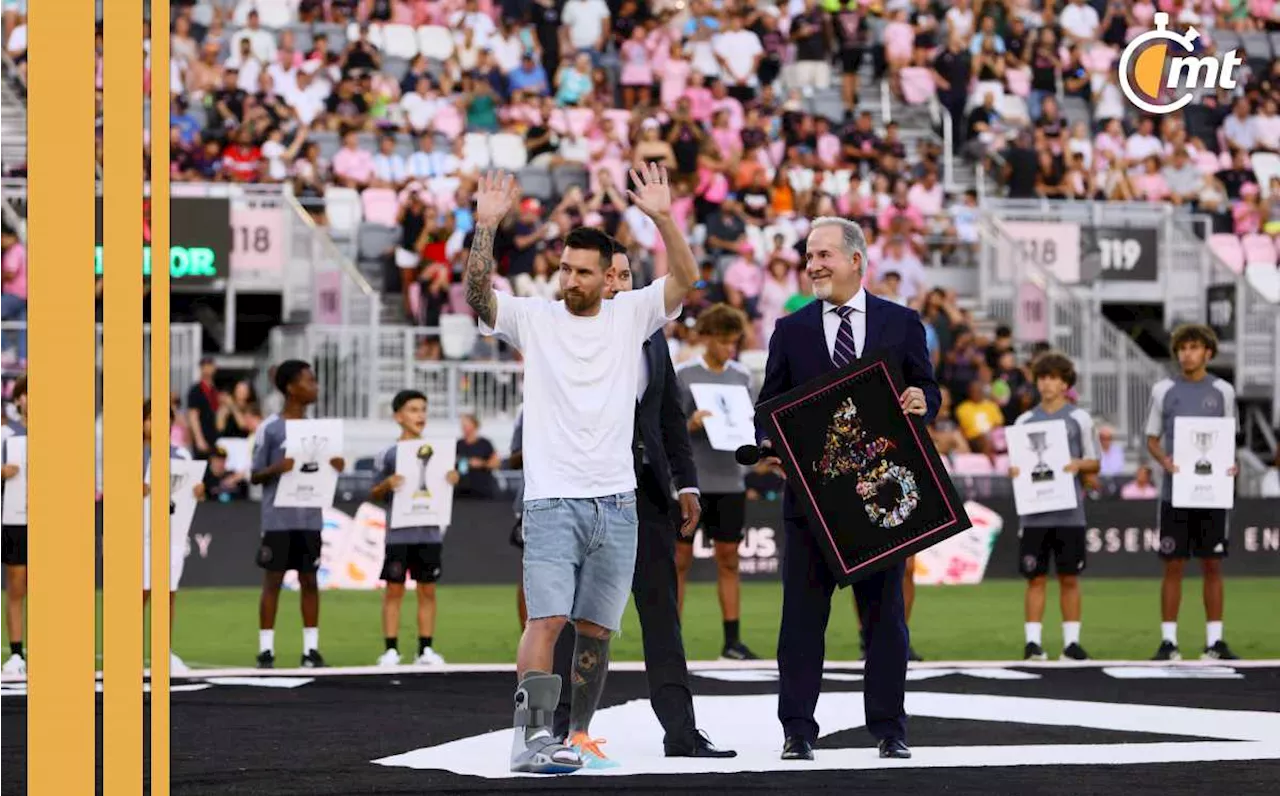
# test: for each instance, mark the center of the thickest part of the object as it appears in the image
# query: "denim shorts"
(579, 557)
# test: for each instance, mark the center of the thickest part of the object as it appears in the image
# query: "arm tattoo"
(480, 264)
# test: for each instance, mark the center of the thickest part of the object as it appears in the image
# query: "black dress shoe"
(797, 748)
(699, 746)
(895, 748)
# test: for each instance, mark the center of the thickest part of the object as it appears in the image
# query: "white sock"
(1033, 632)
(310, 639)
(1212, 633)
(1070, 633)
(1169, 632)
(267, 641)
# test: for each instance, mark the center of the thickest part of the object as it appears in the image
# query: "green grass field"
(478, 624)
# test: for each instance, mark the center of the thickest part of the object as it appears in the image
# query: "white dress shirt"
(857, 319)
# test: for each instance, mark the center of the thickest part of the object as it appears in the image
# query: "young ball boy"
(177, 543)
(412, 551)
(291, 537)
(1057, 534)
(15, 545)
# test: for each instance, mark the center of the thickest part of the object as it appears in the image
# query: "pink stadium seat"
(380, 206)
(1019, 81)
(1228, 249)
(972, 464)
(1258, 250)
(1207, 162)
(917, 85)
(415, 299)
(449, 121)
(621, 119)
(458, 300)
(580, 120)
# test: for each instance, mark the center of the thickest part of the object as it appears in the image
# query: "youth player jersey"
(423, 534)
(718, 471)
(1179, 397)
(11, 428)
(1082, 440)
(268, 450)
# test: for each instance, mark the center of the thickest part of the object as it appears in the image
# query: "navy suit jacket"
(798, 353)
(661, 420)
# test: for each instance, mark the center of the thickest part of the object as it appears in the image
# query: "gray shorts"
(579, 557)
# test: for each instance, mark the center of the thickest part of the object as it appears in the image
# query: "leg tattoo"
(590, 666)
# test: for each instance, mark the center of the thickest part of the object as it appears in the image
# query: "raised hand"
(653, 193)
(495, 196)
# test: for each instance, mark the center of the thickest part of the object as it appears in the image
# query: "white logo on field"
(1156, 68)
(750, 725)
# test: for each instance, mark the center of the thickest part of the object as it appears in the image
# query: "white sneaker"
(389, 658)
(177, 665)
(430, 657)
(15, 665)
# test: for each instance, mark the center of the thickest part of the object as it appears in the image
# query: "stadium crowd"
(762, 110)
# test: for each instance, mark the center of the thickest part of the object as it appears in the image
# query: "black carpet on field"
(320, 738)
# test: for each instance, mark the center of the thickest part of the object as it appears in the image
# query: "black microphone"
(747, 455)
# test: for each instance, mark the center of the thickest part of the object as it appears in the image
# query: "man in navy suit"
(846, 323)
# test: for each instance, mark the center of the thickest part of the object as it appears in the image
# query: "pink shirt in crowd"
(675, 79)
(14, 265)
(356, 164)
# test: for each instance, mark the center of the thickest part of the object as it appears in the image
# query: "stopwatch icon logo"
(1149, 65)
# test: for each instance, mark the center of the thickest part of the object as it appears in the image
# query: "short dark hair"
(288, 371)
(1003, 331)
(1194, 333)
(20, 387)
(721, 320)
(405, 396)
(592, 240)
(1054, 363)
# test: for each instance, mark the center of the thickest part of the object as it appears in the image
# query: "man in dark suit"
(844, 324)
(663, 456)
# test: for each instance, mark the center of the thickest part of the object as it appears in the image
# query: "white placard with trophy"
(15, 489)
(731, 423)
(312, 481)
(1041, 453)
(239, 452)
(1204, 451)
(426, 496)
(184, 474)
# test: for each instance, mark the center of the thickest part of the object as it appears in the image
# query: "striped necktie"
(845, 350)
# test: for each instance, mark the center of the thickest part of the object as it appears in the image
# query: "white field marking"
(1173, 673)
(913, 675)
(262, 682)
(694, 666)
(749, 724)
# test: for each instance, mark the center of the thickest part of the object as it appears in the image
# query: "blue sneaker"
(589, 750)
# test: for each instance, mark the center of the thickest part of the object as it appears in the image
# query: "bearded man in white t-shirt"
(580, 380)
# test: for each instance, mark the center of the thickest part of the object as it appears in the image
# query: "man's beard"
(579, 303)
(823, 291)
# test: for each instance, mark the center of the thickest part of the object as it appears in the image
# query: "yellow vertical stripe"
(160, 393)
(60, 230)
(122, 401)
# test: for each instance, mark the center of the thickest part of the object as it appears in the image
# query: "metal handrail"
(331, 248)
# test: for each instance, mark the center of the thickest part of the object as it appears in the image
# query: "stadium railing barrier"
(1114, 376)
(360, 369)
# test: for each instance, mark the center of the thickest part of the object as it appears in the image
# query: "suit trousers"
(654, 589)
(807, 587)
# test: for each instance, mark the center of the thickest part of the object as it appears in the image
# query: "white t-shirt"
(739, 49)
(1080, 21)
(584, 18)
(580, 380)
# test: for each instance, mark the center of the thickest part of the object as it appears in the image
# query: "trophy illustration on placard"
(311, 449)
(722, 403)
(1039, 442)
(176, 481)
(425, 452)
(1203, 440)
